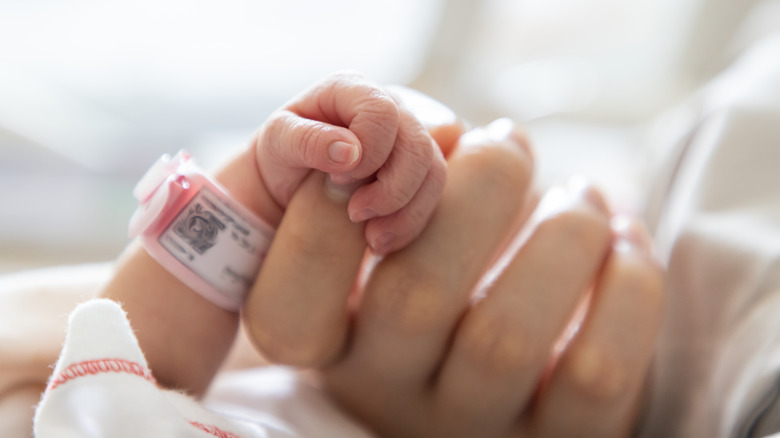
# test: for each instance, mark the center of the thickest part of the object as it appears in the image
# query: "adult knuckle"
(596, 375)
(304, 248)
(643, 278)
(264, 337)
(306, 344)
(285, 348)
(501, 169)
(585, 230)
(412, 301)
(498, 345)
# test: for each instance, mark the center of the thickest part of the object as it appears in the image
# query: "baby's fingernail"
(342, 152)
(341, 192)
(363, 215)
(382, 243)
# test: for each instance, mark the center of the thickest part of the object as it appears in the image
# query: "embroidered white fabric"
(102, 387)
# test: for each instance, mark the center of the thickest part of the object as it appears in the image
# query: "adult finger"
(415, 296)
(296, 312)
(505, 340)
(598, 380)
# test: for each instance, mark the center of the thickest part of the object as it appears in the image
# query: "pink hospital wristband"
(194, 229)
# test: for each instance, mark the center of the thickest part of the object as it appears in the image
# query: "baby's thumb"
(290, 145)
(294, 141)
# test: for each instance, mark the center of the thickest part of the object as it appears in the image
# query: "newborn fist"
(359, 134)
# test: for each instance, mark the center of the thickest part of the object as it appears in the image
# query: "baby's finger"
(596, 384)
(288, 145)
(296, 312)
(351, 101)
(441, 122)
(401, 176)
(390, 233)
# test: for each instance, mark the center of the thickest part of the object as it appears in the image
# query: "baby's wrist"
(193, 227)
(241, 177)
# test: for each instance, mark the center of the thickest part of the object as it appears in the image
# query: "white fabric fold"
(102, 387)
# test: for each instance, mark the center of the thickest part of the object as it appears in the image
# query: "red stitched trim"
(98, 366)
(214, 430)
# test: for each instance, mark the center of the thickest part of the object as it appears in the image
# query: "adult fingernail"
(560, 198)
(630, 229)
(582, 187)
(363, 215)
(382, 243)
(631, 232)
(341, 192)
(554, 201)
(500, 129)
(342, 152)
(505, 129)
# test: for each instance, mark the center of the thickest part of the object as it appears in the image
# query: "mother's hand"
(413, 351)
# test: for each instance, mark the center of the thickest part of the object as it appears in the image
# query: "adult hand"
(424, 346)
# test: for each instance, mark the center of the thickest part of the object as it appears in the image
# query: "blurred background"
(92, 92)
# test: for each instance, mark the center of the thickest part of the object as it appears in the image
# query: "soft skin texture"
(378, 142)
(354, 130)
(426, 346)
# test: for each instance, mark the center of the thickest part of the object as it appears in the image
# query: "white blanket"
(102, 387)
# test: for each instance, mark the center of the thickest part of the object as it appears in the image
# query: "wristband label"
(214, 241)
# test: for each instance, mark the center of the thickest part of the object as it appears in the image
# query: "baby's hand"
(357, 132)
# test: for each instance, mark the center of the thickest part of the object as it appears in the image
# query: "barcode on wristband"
(217, 243)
